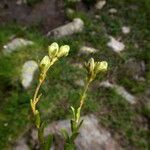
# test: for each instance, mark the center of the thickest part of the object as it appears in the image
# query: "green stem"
(83, 96)
(37, 90)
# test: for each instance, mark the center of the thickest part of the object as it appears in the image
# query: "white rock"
(20, 2)
(87, 50)
(28, 71)
(92, 136)
(21, 145)
(125, 29)
(116, 46)
(112, 10)
(120, 91)
(100, 4)
(97, 16)
(77, 65)
(6, 124)
(73, 27)
(79, 82)
(15, 44)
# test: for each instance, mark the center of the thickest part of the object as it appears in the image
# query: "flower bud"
(63, 51)
(101, 66)
(90, 65)
(53, 50)
(45, 64)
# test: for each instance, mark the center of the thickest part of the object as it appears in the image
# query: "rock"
(136, 69)
(28, 71)
(5, 124)
(92, 136)
(120, 91)
(73, 27)
(87, 50)
(20, 2)
(15, 44)
(116, 46)
(112, 10)
(126, 30)
(21, 145)
(79, 82)
(97, 16)
(100, 4)
(77, 65)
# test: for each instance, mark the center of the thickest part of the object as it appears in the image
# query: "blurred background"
(117, 109)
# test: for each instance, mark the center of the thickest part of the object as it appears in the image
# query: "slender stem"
(36, 97)
(40, 82)
(83, 96)
(37, 90)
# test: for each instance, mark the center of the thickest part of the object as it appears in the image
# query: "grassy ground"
(128, 124)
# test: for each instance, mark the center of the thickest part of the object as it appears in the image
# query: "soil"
(46, 14)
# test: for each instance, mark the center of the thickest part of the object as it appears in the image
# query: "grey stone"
(15, 44)
(77, 65)
(21, 145)
(112, 10)
(28, 71)
(120, 91)
(73, 27)
(115, 45)
(125, 30)
(20, 2)
(92, 136)
(136, 69)
(79, 82)
(87, 50)
(100, 4)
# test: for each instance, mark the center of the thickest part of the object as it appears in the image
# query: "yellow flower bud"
(90, 65)
(45, 64)
(53, 50)
(63, 51)
(101, 66)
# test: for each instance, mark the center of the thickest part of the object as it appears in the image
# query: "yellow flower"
(63, 51)
(101, 66)
(45, 64)
(90, 65)
(53, 50)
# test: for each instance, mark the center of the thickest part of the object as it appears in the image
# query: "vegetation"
(128, 124)
(93, 68)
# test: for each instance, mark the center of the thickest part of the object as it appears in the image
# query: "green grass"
(127, 123)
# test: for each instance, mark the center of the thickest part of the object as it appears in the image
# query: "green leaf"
(79, 125)
(73, 125)
(73, 136)
(65, 134)
(41, 132)
(69, 146)
(48, 142)
(74, 112)
(78, 114)
(37, 119)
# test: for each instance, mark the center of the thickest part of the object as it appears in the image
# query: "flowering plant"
(93, 68)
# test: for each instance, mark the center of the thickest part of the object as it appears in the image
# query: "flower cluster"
(55, 52)
(93, 68)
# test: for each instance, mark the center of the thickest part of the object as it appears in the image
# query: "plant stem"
(83, 96)
(37, 90)
(36, 97)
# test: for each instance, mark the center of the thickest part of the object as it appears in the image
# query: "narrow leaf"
(74, 135)
(48, 142)
(74, 112)
(65, 134)
(79, 125)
